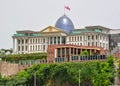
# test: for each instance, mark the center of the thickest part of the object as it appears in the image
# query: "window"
(30, 48)
(88, 43)
(92, 37)
(80, 38)
(26, 41)
(100, 45)
(75, 38)
(88, 37)
(44, 47)
(81, 44)
(96, 43)
(96, 37)
(33, 40)
(18, 48)
(22, 41)
(26, 48)
(54, 40)
(36, 40)
(50, 40)
(22, 48)
(18, 41)
(30, 40)
(92, 43)
(63, 40)
(38, 47)
(58, 51)
(44, 40)
(69, 38)
(33, 47)
(72, 38)
(58, 40)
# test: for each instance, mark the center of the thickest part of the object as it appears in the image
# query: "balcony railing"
(81, 58)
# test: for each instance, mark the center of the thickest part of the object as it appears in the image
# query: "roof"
(25, 31)
(97, 26)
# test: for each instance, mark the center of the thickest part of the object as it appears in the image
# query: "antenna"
(64, 7)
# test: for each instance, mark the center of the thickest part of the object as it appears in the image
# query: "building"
(27, 41)
(70, 51)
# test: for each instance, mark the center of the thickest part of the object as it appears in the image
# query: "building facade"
(27, 41)
(69, 51)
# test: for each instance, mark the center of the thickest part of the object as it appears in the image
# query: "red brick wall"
(8, 69)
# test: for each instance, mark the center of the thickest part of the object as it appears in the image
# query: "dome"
(65, 24)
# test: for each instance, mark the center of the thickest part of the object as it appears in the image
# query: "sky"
(38, 14)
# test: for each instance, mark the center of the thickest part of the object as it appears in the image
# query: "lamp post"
(35, 79)
(79, 77)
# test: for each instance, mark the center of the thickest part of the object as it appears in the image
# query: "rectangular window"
(69, 38)
(92, 43)
(18, 41)
(18, 48)
(22, 41)
(96, 43)
(92, 37)
(26, 41)
(80, 38)
(26, 48)
(88, 37)
(96, 37)
(22, 48)
(75, 38)
(88, 43)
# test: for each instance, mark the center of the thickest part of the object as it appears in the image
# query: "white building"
(63, 33)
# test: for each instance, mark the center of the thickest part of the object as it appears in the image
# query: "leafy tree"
(84, 53)
(66, 74)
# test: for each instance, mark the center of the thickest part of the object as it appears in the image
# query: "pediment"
(51, 29)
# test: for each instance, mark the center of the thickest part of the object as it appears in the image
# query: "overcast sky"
(38, 14)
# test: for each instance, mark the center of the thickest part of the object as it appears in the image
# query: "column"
(28, 45)
(48, 40)
(60, 52)
(13, 45)
(56, 40)
(16, 44)
(65, 53)
(90, 51)
(69, 54)
(77, 53)
(56, 52)
(60, 39)
(52, 40)
(24, 45)
(98, 40)
(20, 46)
(73, 52)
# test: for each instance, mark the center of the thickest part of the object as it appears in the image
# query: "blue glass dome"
(65, 24)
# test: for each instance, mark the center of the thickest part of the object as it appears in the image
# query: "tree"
(84, 53)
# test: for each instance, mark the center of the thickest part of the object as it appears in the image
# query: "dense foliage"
(30, 56)
(66, 74)
(118, 62)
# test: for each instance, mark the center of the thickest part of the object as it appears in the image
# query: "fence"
(81, 58)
